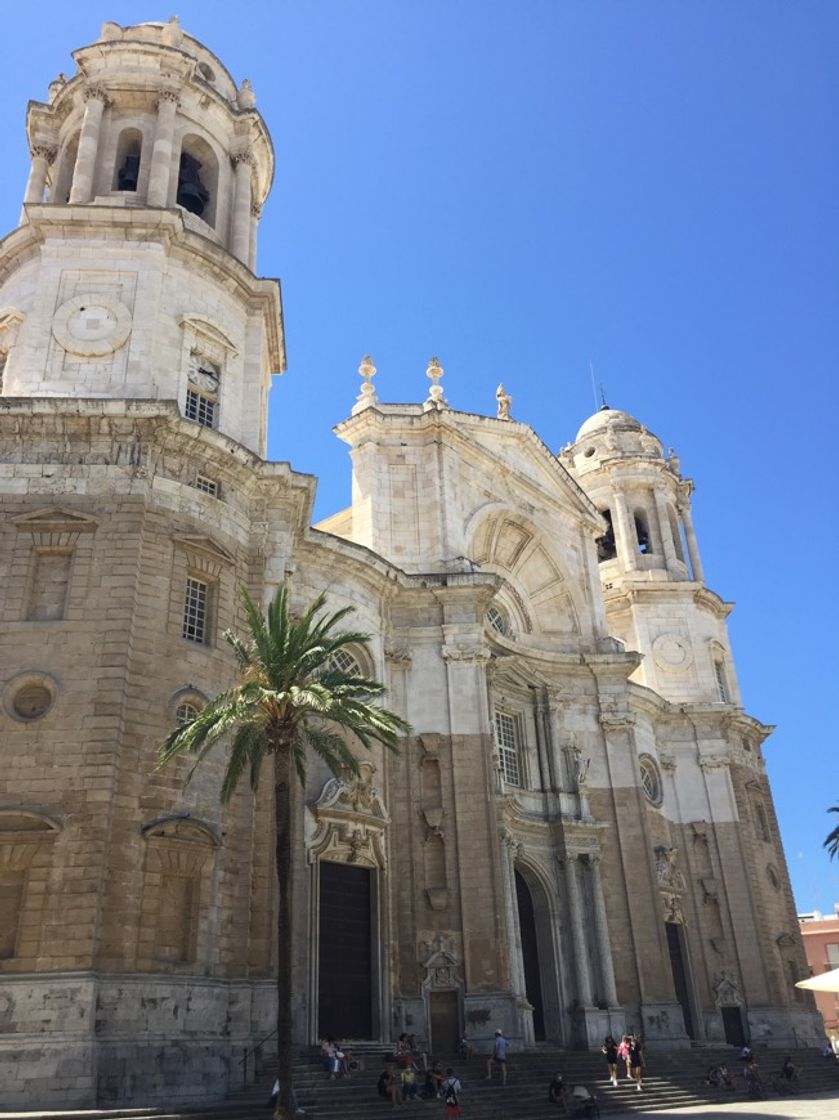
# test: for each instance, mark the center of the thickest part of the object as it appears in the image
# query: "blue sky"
(526, 187)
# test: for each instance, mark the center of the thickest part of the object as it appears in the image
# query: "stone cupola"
(153, 118)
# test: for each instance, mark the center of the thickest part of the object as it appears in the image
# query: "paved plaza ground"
(819, 1106)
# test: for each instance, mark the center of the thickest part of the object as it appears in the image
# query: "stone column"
(625, 541)
(509, 847)
(240, 237)
(43, 156)
(256, 214)
(160, 173)
(601, 932)
(665, 530)
(85, 169)
(578, 933)
(693, 547)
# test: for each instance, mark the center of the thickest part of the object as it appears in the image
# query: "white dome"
(602, 417)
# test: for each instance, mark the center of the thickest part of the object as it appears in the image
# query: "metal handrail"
(243, 1061)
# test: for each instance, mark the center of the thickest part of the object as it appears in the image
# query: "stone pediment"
(347, 822)
(51, 520)
(206, 546)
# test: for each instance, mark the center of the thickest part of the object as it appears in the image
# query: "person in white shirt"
(499, 1057)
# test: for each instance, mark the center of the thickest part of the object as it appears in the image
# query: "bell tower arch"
(164, 164)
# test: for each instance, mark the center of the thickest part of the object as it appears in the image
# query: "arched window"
(498, 620)
(198, 179)
(761, 822)
(642, 532)
(203, 390)
(127, 163)
(343, 661)
(676, 533)
(650, 780)
(186, 712)
(606, 549)
(721, 681)
(64, 174)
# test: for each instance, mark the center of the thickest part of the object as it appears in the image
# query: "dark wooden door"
(345, 996)
(680, 976)
(445, 1022)
(530, 954)
(732, 1021)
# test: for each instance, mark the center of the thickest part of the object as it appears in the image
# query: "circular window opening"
(589, 451)
(498, 621)
(650, 780)
(32, 701)
(206, 72)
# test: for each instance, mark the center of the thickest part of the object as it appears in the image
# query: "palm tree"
(832, 839)
(290, 696)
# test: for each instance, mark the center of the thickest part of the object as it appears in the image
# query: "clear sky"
(527, 186)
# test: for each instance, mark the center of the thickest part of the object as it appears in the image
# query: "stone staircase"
(673, 1079)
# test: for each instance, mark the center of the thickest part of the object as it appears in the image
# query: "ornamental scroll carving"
(347, 823)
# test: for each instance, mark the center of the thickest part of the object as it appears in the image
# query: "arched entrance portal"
(530, 950)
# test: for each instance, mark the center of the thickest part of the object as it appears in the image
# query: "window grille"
(206, 485)
(185, 713)
(344, 662)
(196, 604)
(650, 781)
(200, 409)
(722, 685)
(498, 621)
(507, 741)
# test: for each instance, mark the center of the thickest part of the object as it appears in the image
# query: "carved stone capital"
(95, 92)
(398, 656)
(256, 210)
(167, 94)
(666, 760)
(244, 155)
(44, 151)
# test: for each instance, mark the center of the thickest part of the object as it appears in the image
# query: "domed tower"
(131, 274)
(650, 567)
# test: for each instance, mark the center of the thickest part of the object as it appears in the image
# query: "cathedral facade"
(577, 838)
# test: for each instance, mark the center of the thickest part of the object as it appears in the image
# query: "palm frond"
(832, 840)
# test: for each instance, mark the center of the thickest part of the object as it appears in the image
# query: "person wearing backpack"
(450, 1090)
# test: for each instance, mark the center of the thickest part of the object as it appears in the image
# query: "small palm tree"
(290, 696)
(832, 840)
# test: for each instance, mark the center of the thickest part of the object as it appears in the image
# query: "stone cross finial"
(434, 371)
(505, 402)
(367, 396)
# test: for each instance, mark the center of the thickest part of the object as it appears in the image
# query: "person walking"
(610, 1050)
(450, 1090)
(635, 1061)
(499, 1057)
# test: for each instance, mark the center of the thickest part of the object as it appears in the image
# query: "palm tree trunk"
(283, 825)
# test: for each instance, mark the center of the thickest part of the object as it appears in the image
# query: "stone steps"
(676, 1079)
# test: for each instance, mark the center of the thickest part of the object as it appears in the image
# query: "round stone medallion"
(671, 651)
(92, 326)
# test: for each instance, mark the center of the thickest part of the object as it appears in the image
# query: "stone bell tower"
(131, 273)
(650, 568)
